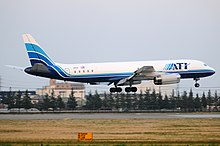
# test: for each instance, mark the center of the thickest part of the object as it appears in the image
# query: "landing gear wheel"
(133, 89)
(130, 89)
(118, 89)
(127, 89)
(112, 90)
(197, 85)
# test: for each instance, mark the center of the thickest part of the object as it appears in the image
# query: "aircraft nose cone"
(212, 71)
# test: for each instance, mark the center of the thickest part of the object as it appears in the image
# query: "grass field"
(111, 131)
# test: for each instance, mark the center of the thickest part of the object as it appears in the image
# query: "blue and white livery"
(118, 73)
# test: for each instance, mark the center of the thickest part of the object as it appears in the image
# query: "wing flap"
(145, 69)
(143, 73)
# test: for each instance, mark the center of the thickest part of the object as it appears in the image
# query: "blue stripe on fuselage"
(184, 74)
(110, 77)
(195, 73)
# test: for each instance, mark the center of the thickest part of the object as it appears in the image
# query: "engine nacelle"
(167, 79)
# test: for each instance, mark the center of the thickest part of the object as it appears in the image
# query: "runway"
(56, 116)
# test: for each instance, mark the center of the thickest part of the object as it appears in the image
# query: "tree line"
(16, 100)
(150, 100)
(143, 101)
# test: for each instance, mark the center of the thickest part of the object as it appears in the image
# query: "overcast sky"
(81, 31)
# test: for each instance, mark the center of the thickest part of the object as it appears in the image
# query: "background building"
(63, 90)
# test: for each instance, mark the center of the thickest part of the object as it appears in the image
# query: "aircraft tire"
(197, 85)
(127, 89)
(133, 89)
(112, 90)
(118, 89)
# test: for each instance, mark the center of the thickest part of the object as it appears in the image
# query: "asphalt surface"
(51, 116)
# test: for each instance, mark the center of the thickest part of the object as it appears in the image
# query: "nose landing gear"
(197, 84)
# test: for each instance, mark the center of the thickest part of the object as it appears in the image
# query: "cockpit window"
(205, 65)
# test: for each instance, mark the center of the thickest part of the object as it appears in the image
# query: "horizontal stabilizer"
(16, 67)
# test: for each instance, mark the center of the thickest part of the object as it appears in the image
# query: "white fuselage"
(100, 72)
(126, 67)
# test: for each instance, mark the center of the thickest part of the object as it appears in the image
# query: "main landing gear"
(116, 89)
(127, 89)
(197, 84)
(130, 89)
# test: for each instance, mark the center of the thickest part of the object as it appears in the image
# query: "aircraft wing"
(145, 69)
(143, 73)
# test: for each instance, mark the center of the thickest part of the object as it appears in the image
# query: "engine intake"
(167, 79)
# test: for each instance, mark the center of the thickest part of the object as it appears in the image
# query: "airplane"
(162, 72)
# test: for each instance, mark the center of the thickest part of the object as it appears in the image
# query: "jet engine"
(167, 79)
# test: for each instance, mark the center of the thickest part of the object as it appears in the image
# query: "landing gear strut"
(197, 84)
(130, 89)
(116, 89)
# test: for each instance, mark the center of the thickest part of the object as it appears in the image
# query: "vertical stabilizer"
(35, 52)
